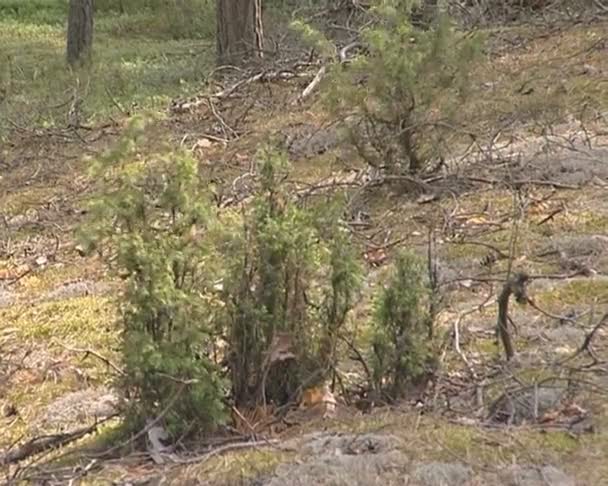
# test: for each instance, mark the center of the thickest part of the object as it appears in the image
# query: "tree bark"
(239, 30)
(80, 31)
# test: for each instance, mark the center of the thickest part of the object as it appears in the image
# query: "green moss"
(52, 277)
(485, 346)
(18, 203)
(80, 321)
(577, 292)
(233, 467)
(591, 222)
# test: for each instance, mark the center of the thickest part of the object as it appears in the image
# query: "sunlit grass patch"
(579, 292)
(234, 466)
(52, 278)
(542, 79)
(89, 321)
(17, 203)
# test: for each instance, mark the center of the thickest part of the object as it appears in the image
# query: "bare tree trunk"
(80, 31)
(239, 30)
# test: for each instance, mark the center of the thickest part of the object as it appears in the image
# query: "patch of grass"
(83, 321)
(560, 84)
(574, 293)
(51, 277)
(589, 222)
(490, 447)
(237, 466)
(27, 198)
(485, 346)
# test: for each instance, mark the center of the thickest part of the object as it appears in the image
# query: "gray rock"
(526, 405)
(78, 409)
(536, 476)
(72, 290)
(384, 469)
(309, 141)
(349, 444)
(443, 474)
(6, 298)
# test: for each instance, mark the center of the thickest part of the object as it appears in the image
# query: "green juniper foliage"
(156, 218)
(342, 291)
(198, 282)
(287, 269)
(401, 351)
(400, 98)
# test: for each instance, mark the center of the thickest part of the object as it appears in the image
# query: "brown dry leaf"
(12, 273)
(574, 410)
(478, 220)
(203, 143)
(375, 257)
(251, 420)
(312, 396)
(320, 400)
(549, 417)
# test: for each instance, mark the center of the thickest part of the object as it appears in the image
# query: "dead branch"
(45, 443)
(586, 345)
(515, 285)
(458, 321)
(148, 426)
(89, 351)
(590, 336)
(312, 85)
(357, 357)
(264, 76)
(229, 132)
(549, 314)
(523, 182)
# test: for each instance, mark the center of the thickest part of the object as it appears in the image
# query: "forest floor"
(59, 334)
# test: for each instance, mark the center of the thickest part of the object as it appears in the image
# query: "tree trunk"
(80, 31)
(239, 30)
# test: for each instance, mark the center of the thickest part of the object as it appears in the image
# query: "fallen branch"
(549, 314)
(589, 337)
(312, 85)
(90, 351)
(586, 346)
(264, 76)
(45, 443)
(524, 182)
(148, 426)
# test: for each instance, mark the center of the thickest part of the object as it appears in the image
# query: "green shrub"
(154, 218)
(401, 97)
(287, 279)
(262, 292)
(401, 349)
(342, 290)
